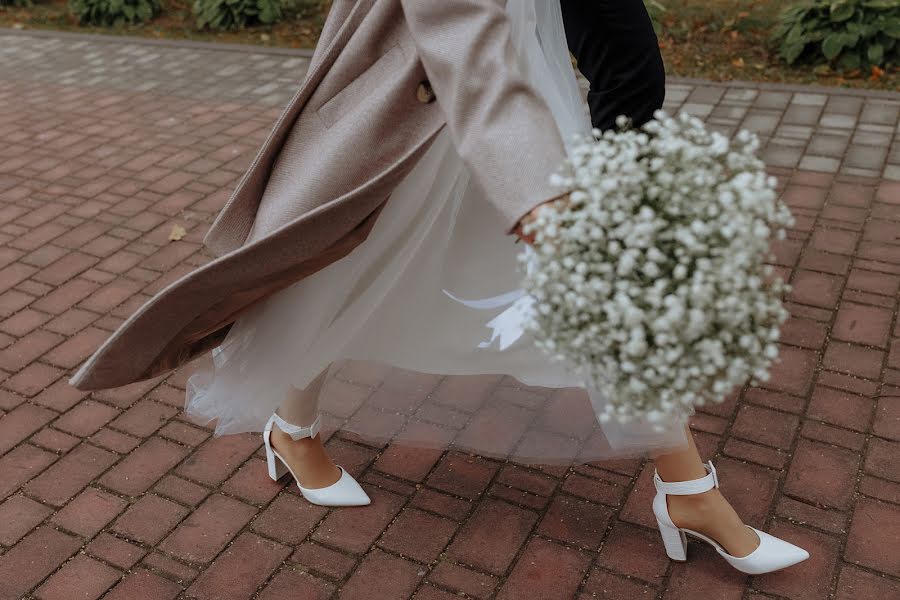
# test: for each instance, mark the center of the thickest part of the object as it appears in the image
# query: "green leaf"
(850, 39)
(796, 34)
(893, 29)
(841, 11)
(791, 52)
(832, 45)
(880, 4)
(850, 61)
(875, 54)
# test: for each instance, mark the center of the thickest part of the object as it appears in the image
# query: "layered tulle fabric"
(434, 290)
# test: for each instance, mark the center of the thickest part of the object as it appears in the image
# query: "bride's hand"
(533, 215)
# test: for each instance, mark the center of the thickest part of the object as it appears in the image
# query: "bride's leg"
(307, 457)
(708, 513)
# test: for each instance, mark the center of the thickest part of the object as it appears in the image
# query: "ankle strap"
(295, 431)
(688, 488)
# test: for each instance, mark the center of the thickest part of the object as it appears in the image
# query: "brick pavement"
(107, 144)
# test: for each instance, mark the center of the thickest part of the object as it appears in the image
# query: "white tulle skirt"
(396, 300)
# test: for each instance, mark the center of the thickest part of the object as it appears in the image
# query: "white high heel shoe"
(772, 553)
(344, 492)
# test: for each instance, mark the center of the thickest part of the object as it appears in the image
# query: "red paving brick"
(297, 584)
(381, 575)
(875, 528)
(58, 484)
(822, 474)
(32, 559)
(81, 577)
(492, 537)
(144, 466)
(122, 474)
(856, 584)
(815, 575)
(146, 585)
(462, 580)
(356, 530)
(149, 519)
(115, 551)
(289, 519)
(240, 570)
(89, 512)
(574, 521)
(18, 516)
(418, 535)
(208, 530)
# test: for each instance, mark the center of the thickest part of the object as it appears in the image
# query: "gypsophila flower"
(652, 280)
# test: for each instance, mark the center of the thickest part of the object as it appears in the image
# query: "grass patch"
(730, 39)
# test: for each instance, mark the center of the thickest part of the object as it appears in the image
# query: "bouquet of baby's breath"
(651, 280)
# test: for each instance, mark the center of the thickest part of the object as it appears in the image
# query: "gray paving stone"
(698, 110)
(786, 141)
(807, 128)
(871, 138)
(880, 112)
(677, 94)
(778, 155)
(802, 114)
(164, 69)
(741, 95)
(844, 105)
(820, 163)
(838, 121)
(799, 132)
(729, 111)
(809, 99)
(706, 95)
(857, 172)
(866, 157)
(772, 100)
(825, 144)
(763, 122)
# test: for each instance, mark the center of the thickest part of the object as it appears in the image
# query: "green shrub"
(234, 14)
(847, 34)
(113, 12)
(655, 10)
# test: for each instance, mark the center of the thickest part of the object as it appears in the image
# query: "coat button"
(425, 94)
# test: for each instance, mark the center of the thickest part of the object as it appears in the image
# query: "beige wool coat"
(386, 77)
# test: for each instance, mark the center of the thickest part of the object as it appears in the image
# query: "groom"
(617, 52)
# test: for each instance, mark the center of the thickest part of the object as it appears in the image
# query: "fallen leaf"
(743, 14)
(178, 233)
(738, 62)
(734, 34)
(877, 73)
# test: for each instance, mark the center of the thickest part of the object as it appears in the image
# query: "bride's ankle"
(696, 510)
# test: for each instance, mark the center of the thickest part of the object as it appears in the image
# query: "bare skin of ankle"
(708, 513)
(307, 458)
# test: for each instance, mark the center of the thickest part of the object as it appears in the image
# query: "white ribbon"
(507, 327)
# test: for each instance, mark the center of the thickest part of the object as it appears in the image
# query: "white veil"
(540, 39)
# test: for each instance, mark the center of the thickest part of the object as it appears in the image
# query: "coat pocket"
(370, 80)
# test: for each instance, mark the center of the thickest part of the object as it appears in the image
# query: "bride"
(366, 229)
